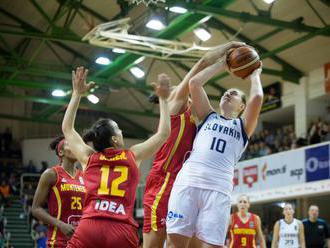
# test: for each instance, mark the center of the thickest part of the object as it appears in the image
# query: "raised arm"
(47, 180)
(179, 95)
(149, 147)
(260, 235)
(198, 95)
(254, 104)
(76, 143)
(276, 235)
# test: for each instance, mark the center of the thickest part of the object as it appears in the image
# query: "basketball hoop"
(115, 35)
(147, 2)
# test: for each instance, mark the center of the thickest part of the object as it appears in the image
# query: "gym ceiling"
(41, 42)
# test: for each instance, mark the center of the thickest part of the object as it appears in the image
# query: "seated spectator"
(14, 184)
(30, 168)
(44, 166)
(264, 149)
(5, 192)
(39, 234)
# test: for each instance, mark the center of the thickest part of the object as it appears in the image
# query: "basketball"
(242, 61)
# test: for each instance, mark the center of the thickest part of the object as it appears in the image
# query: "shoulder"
(256, 217)
(321, 221)
(211, 114)
(50, 175)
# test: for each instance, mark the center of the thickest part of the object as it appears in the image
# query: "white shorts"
(200, 212)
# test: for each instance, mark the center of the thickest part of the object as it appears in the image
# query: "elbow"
(259, 97)
(193, 84)
(165, 134)
(34, 211)
(66, 129)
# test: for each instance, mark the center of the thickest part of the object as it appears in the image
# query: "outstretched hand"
(79, 84)
(162, 87)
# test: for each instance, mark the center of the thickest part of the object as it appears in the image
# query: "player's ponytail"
(100, 134)
(89, 136)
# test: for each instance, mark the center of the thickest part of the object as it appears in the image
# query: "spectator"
(263, 149)
(324, 132)
(314, 133)
(7, 138)
(14, 184)
(44, 166)
(39, 234)
(30, 168)
(316, 229)
(5, 192)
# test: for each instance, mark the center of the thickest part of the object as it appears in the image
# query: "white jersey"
(289, 234)
(217, 148)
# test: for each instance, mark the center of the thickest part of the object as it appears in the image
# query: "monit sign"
(317, 163)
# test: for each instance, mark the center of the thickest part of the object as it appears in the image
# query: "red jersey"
(111, 179)
(65, 202)
(173, 153)
(243, 234)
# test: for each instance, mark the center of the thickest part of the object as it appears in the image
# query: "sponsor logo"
(250, 175)
(297, 173)
(74, 220)
(64, 180)
(236, 177)
(272, 172)
(81, 180)
(317, 163)
(110, 206)
(172, 216)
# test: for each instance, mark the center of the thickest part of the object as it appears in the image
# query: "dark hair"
(53, 145)
(100, 134)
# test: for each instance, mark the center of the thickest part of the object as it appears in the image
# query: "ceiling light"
(118, 50)
(269, 1)
(137, 72)
(205, 19)
(93, 99)
(202, 34)
(155, 24)
(139, 60)
(58, 93)
(177, 9)
(103, 61)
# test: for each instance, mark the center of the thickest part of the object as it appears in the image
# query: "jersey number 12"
(105, 174)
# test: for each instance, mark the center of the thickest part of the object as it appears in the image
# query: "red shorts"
(92, 233)
(155, 201)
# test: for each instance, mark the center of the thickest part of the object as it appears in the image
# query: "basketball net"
(115, 35)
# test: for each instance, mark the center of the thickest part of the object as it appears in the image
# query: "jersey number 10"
(218, 145)
(114, 191)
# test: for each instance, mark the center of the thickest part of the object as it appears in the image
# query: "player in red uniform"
(62, 186)
(244, 227)
(110, 171)
(169, 159)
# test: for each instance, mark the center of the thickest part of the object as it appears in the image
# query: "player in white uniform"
(288, 232)
(200, 199)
